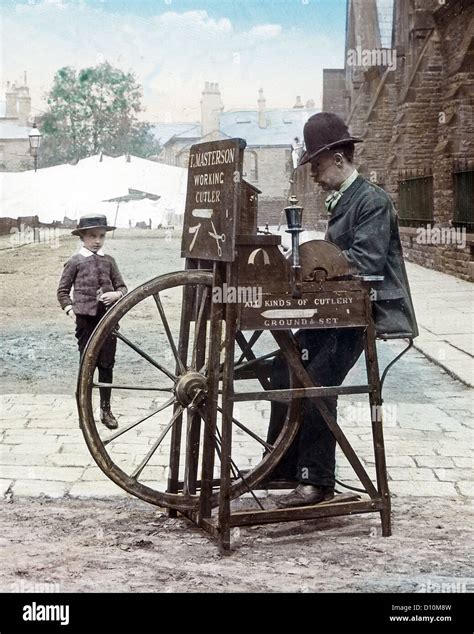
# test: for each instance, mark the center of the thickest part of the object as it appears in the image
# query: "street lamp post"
(35, 142)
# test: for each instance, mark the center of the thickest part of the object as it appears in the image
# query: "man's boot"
(106, 416)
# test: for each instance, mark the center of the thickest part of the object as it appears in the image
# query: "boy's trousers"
(85, 325)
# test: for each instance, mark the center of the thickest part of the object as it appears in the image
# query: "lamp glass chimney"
(35, 138)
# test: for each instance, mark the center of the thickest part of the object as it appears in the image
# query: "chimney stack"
(262, 119)
(211, 107)
(299, 103)
(10, 102)
(24, 105)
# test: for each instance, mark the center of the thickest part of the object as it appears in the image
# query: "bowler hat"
(91, 221)
(323, 131)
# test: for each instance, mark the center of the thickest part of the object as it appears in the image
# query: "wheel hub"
(188, 385)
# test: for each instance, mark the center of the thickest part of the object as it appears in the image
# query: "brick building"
(270, 135)
(407, 89)
(15, 117)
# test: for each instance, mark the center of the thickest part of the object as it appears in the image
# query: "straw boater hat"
(323, 131)
(91, 221)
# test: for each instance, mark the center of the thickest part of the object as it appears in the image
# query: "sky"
(175, 46)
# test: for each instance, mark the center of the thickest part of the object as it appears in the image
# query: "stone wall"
(274, 171)
(16, 155)
(334, 81)
(416, 119)
(270, 211)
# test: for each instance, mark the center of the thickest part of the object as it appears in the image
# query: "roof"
(164, 131)
(13, 131)
(193, 132)
(281, 129)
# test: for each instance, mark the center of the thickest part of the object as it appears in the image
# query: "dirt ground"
(129, 546)
(39, 351)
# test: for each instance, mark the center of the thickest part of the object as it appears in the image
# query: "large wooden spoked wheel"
(159, 389)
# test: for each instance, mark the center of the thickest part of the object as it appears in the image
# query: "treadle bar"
(247, 518)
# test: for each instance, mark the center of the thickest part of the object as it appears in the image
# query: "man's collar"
(349, 180)
(346, 197)
(86, 253)
(332, 200)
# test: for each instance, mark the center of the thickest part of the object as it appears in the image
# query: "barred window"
(463, 199)
(415, 201)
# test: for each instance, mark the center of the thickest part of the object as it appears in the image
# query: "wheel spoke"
(197, 327)
(146, 356)
(157, 443)
(168, 332)
(133, 387)
(137, 422)
(249, 432)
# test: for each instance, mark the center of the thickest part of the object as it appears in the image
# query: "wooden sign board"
(213, 200)
(281, 311)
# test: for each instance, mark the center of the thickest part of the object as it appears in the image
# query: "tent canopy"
(70, 191)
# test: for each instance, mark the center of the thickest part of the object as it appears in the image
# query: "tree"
(94, 110)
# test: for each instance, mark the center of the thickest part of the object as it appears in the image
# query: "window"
(416, 201)
(183, 159)
(463, 199)
(251, 165)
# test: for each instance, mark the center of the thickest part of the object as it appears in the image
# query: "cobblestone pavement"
(427, 413)
(427, 426)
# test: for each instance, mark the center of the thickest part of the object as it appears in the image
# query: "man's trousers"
(327, 355)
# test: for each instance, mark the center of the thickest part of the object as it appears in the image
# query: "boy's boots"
(106, 416)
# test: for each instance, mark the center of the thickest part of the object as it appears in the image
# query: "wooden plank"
(284, 396)
(247, 518)
(281, 311)
(213, 200)
(209, 446)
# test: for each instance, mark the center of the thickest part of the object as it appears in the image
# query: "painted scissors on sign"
(218, 238)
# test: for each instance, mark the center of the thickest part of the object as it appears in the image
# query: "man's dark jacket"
(364, 225)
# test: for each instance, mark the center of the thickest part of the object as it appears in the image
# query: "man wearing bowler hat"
(97, 285)
(363, 224)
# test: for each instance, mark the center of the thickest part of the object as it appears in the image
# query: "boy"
(97, 286)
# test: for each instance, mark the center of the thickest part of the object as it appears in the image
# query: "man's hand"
(110, 298)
